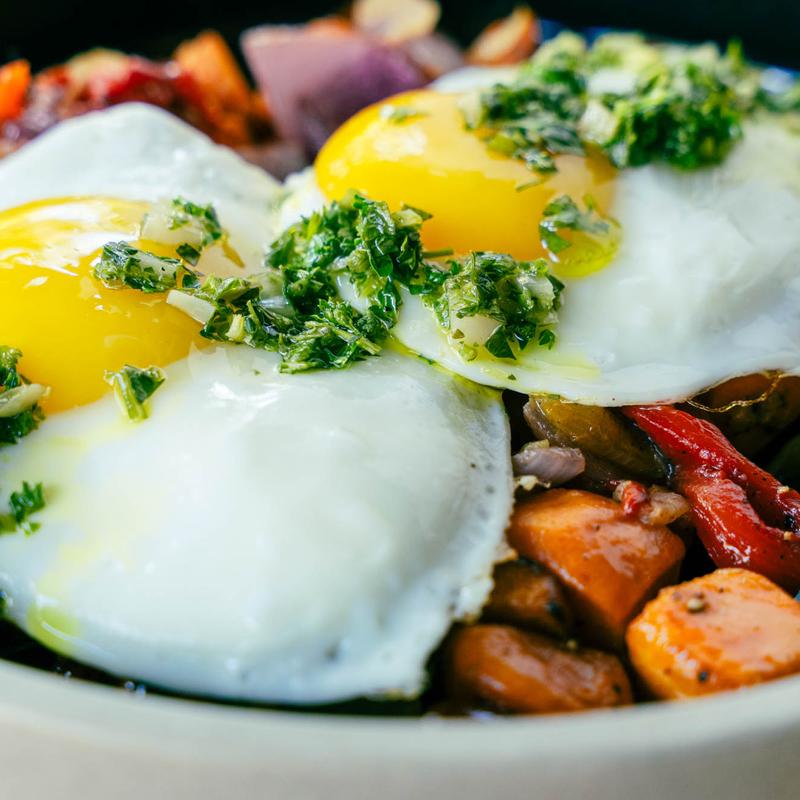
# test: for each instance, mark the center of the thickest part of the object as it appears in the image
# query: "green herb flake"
(295, 307)
(20, 413)
(400, 114)
(123, 265)
(563, 213)
(521, 296)
(683, 106)
(184, 213)
(133, 387)
(22, 504)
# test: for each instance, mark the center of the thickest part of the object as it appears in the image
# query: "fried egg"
(699, 284)
(285, 538)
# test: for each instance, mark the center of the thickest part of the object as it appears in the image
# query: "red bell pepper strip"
(744, 516)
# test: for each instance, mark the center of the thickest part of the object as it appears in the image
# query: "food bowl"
(69, 739)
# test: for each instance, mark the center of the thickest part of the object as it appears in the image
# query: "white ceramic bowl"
(69, 740)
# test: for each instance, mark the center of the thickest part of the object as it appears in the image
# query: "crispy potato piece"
(15, 78)
(725, 630)
(610, 564)
(527, 673)
(526, 595)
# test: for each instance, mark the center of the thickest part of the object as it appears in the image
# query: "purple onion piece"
(549, 465)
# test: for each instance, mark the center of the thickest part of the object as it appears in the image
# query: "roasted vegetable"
(743, 515)
(316, 76)
(752, 410)
(14, 81)
(526, 673)
(609, 563)
(725, 630)
(612, 449)
(237, 112)
(548, 466)
(506, 41)
(653, 506)
(526, 595)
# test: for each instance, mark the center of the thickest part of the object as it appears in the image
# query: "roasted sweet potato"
(210, 62)
(525, 673)
(524, 594)
(725, 630)
(609, 563)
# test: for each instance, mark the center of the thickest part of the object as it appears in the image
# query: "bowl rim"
(174, 728)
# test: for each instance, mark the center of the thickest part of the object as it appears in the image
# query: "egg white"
(286, 538)
(705, 285)
(139, 152)
(264, 536)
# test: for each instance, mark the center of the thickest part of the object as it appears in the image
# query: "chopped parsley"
(400, 114)
(356, 248)
(563, 213)
(201, 225)
(19, 399)
(635, 102)
(521, 296)
(21, 505)
(133, 387)
(122, 264)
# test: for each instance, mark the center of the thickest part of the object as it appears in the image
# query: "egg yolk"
(70, 327)
(480, 200)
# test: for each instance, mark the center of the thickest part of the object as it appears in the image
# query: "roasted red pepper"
(744, 516)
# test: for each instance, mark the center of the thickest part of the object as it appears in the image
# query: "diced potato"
(520, 672)
(609, 564)
(725, 630)
(526, 595)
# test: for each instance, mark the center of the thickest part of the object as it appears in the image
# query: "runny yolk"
(480, 200)
(71, 328)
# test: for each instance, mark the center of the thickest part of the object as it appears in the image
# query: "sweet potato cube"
(516, 671)
(609, 563)
(725, 630)
(526, 595)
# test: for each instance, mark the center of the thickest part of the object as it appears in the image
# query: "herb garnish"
(563, 213)
(122, 264)
(683, 106)
(296, 306)
(200, 223)
(400, 114)
(28, 500)
(19, 400)
(521, 296)
(132, 388)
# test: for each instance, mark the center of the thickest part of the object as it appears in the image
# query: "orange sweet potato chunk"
(526, 595)
(525, 673)
(610, 564)
(725, 630)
